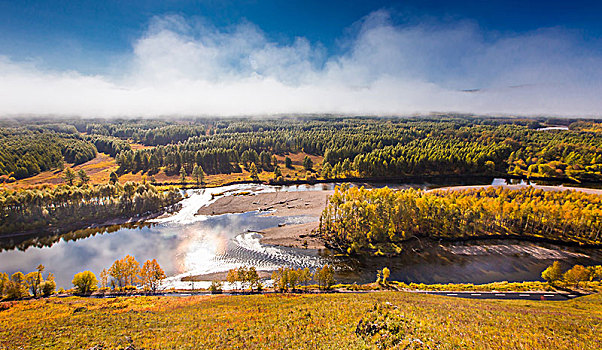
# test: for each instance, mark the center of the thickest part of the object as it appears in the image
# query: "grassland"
(282, 321)
(99, 169)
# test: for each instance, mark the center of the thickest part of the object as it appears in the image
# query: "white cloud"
(181, 67)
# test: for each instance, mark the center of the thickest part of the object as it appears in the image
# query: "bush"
(85, 282)
(48, 287)
(216, 287)
(386, 328)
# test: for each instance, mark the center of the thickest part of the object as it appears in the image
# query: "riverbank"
(308, 204)
(92, 224)
(279, 203)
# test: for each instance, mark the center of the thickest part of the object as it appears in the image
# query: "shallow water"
(470, 262)
(186, 244)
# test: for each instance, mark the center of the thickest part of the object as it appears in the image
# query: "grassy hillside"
(330, 321)
(99, 168)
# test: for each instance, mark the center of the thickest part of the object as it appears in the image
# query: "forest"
(27, 151)
(366, 147)
(358, 220)
(65, 208)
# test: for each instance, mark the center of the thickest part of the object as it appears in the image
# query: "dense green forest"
(351, 147)
(69, 207)
(25, 152)
(360, 220)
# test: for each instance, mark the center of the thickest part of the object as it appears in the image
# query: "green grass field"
(281, 321)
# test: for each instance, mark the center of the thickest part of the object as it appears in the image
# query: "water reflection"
(470, 262)
(186, 244)
(31, 240)
(183, 243)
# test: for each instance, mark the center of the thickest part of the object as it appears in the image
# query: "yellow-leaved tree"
(85, 282)
(152, 275)
(125, 271)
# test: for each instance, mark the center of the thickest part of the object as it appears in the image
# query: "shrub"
(85, 282)
(216, 287)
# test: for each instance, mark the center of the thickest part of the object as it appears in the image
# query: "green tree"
(553, 273)
(281, 279)
(35, 281)
(308, 164)
(183, 174)
(113, 178)
(490, 166)
(346, 167)
(304, 276)
(69, 176)
(253, 171)
(288, 162)
(84, 179)
(327, 170)
(595, 272)
(277, 172)
(266, 160)
(198, 174)
(216, 287)
(293, 278)
(242, 276)
(85, 282)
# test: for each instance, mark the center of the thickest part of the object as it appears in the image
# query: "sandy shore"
(310, 203)
(296, 236)
(306, 203)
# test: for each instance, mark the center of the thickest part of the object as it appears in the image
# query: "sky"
(244, 58)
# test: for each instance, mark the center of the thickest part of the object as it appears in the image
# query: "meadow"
(301, 321)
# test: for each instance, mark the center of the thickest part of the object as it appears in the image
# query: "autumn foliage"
(358, 219)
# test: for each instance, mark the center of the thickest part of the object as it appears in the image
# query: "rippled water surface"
(187, 244)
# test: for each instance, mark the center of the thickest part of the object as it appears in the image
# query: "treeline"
(385, 147)
(65, 208)
(434, 156)
(109, 145)
(33, 284)
(358, 220)
(25, 152)
(125, 275)
(284, 279)
(573, 276)
(367, 147)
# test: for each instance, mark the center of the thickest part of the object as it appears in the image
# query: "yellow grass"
(100, 167)
(280, 321)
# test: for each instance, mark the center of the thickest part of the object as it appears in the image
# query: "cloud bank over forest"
(188, 67)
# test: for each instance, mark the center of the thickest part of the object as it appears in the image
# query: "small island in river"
(309, 204)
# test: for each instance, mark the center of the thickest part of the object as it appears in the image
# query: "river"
(186, 244)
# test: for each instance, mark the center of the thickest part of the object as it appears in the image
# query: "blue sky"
(86, 34)
(395, 56)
